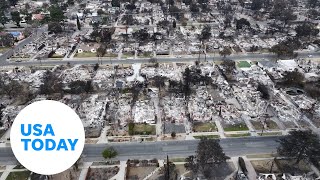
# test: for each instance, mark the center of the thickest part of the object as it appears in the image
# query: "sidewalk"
(122, 171)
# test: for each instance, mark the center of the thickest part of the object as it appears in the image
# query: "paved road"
(148, 150)
(94, 60)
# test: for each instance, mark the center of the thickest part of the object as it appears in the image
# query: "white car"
(310, 56)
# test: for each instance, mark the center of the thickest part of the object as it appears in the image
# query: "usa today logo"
(47, 137)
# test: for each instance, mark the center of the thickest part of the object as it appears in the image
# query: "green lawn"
(204, 127)
(85, 54)
(207, 136)
(177, 159)
(90, 54)
(243, 64)
(236, 127)
(238, 135)
(4, 49)
(57, 56)
(19, 167)
(21, 175)
(141, 129)
(2, 132)
(271, 134)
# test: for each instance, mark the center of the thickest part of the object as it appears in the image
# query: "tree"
(96, 67)
(70, 2)
(176, 12)
(115, 3)
(293, 78)
(256, 5)
(51, 84)
(205, 33)
(27, 31)
(78, 24)
(128, 20)
(173, 134)
(54, 27)
(209, 155)
(313, 3)
(226, 51)
(282, 11)
(306, 29)
(141, 35)
(56, 13)
(4, 5)
(264, 91)
(6, 40)
(301, 145)
(109, 153)
(95, 25)
(163, 24)
(314, 14)
(12, 2)
(229, 66)
(286, 48)
(13, 88)
(15, 16)
(187, 2)
(186, 85)
(78, 87)
(242, 23)
(28, 18)
(3, 18)
(194, 8)
(101, 51)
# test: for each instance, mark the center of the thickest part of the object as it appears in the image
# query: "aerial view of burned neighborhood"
(169, 89)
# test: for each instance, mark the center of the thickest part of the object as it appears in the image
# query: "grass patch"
(90, 54)
(19, 167)
(126, 55)
(4, 49)
(243, 64)
(57, 56)
(260, 156)
(204, 127)
(236, 127)
(177, 159)
(85, 54)
(238, 135)
(2, 132)
(207, 136)
(271, 134)
(141, 129)
(270, 125)
(145, 54)
(21, 175)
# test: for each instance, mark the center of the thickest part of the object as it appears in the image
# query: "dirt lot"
(280, 166)
(270, 125)
(21, 175)
(69, 174)
(264, 166)
(102, 173)
(137, 173)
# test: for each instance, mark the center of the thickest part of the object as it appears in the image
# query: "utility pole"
(265, 119)
(167, 174)
(272, 164)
